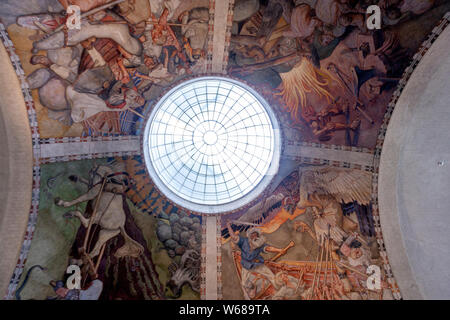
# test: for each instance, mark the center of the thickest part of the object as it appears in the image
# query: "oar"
(327, 246)
(283, 252)
(319, 254)
(319, 272)
(352, 269)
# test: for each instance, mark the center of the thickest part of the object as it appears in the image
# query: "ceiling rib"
(222, 11)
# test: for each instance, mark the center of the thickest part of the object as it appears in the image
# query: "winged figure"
(256, 215)
(325, 189)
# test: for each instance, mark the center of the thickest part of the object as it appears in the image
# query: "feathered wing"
(345, 185)
(256, 213)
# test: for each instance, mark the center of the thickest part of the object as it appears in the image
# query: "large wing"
(256, 214)
(345, 185)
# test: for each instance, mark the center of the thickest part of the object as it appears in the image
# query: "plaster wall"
(16, 169)
(414, 180)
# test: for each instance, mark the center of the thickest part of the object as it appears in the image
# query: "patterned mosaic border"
(218, 255)
(210, 46)
(325, 162)
(228, 36)
(219, 258)
(210, 39)
(86, 157)
(203, 262)
(380, 141)
(328, 146)
(78, 157)
(87, 139)
(32, 116)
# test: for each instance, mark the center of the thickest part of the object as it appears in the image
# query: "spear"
(89, 13)
(152, 23)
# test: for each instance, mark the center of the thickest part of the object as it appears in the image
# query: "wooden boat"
(309, 271)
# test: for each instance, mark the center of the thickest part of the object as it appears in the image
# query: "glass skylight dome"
(212, 144)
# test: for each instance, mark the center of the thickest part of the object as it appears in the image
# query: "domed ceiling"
(312, 233)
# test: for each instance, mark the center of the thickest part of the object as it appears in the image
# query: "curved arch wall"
(414, 175)
(16, 168)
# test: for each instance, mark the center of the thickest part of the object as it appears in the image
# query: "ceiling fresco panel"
(147, 250)
(326, 72)
(104, 78)
(313, 234)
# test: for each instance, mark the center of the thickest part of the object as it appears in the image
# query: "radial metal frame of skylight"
(212, 144)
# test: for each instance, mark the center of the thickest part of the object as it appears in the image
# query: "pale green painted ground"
(54, 235)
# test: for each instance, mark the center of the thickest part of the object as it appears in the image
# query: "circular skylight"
(212, 144)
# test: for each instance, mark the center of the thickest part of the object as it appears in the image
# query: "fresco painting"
(313, 238)
(321, 67)
(88, 219)
(327, 76)
(316, 61)
(102, 79)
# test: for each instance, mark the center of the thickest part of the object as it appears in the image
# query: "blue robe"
(250, 258)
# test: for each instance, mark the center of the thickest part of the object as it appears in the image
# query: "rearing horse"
(104, 187)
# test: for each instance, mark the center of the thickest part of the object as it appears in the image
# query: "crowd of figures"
(124, 55)
(312, 239)
(315, 60)
(320, 63)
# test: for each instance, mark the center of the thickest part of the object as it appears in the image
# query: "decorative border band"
(203, 262)
(325, 162)
(210, 45)
(86, 157)
(88, 139)
(32, 116)
(328, 146)
(219, 258)
(379, 146)
(226, 53)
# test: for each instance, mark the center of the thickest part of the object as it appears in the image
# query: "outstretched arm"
(233, 236)
(273, 249)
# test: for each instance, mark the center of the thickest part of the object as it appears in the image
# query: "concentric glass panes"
(210, 141)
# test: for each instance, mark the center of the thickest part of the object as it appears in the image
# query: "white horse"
(110, 215)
